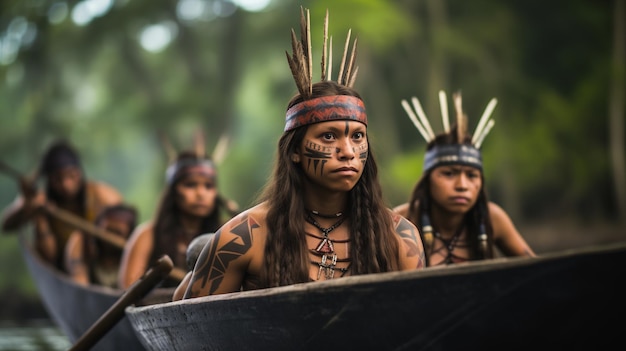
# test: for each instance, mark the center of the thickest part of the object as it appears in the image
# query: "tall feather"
(353, 78)
(483, 119)
(461, 119)
(325, 48)
(307, 35)
(199, 144)
(416, 122)
(443, 103)
(219, 152)
(330, 59)
(299, 62)
(351, 63)
(340, 79)
(170, 151)
(483, 134)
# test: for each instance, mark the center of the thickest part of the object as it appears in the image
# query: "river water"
(36, 335)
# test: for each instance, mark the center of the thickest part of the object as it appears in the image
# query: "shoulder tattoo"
(214, 259)
(410, 236)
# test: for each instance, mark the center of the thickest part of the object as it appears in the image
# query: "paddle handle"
(116, 312)
(85, 226)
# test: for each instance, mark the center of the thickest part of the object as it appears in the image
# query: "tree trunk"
(616, 109)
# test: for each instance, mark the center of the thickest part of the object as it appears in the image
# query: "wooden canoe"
(573, 299)
(74, 307)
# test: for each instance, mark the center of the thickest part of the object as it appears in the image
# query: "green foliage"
(13, 270)
(546, 62)
(399, 175)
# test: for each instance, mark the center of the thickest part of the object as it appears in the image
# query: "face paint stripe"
(316, 154)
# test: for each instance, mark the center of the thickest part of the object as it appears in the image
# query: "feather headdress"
(313, 110)
(202, 163)
(460, 152)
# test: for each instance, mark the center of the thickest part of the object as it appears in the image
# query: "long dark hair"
(374, 246)
(420, 204)
(167, 226)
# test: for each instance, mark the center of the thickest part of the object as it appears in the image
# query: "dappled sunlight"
(157, 37)
(86, 10)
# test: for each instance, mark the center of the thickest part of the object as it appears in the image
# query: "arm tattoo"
(214, 260)
(409, 235)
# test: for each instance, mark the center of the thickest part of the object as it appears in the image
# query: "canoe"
(572, 299)
(74, 307)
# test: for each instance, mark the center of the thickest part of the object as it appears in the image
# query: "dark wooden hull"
(568, 300)
(74, 308)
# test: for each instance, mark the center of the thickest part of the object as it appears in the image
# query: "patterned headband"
(326, 108)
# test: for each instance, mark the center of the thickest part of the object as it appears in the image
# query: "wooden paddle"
(115, 313)
(82, 224)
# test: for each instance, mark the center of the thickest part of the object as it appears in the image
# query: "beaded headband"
(451, 154)
(326, 108)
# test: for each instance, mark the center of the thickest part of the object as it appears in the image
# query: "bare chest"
(449, 250)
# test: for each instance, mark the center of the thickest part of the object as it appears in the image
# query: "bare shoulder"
(412, 250)
(246, 224)
(497, 210)
(499, 217)
(105, 192)
(402, 209)
(141, 234)
(507, 237)
(255, 215)
(235, 252)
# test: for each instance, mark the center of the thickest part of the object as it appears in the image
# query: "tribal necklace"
(326, 249)
(450, 244)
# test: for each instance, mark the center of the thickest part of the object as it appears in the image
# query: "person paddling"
(67, 188)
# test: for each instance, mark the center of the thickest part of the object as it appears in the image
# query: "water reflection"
(36, 335)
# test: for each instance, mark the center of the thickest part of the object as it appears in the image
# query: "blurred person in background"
(90, 260)
(190, 205)
(449, 203)
(67, 188)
